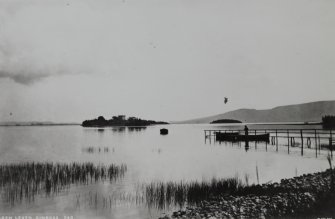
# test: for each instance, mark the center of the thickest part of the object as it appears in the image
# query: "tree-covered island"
(120, 121)
(225, 121)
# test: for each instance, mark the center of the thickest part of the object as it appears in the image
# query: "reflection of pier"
(317, 139)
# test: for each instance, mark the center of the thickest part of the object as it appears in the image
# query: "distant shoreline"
(56, 124)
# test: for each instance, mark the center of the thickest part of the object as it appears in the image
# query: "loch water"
(184, 155)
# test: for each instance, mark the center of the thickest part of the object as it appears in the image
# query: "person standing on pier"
(246, 130)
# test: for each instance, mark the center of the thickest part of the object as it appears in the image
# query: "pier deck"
(317, 139)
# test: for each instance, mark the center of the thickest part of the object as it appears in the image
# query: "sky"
(70, 60)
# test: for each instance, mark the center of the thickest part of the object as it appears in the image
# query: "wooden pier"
(312, 139)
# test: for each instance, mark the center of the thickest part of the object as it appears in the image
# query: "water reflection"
(92, 150)
(137, 129)
(109, 200)
(120, 129)
(104, 129)
(246, 145)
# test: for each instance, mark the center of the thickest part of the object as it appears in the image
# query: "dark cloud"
(22, 78)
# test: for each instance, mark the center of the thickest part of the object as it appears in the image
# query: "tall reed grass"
(161, 195)
(25, 180)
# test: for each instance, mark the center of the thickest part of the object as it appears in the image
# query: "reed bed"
(162, 195)
(25, 180)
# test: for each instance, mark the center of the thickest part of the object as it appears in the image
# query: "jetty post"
(288, 141)
(302, 143)
(331, 143)
(319, 144)
(210, 137)
(276, 140)
(316, 144)
(266, 143)
(266, 146)
(331, 146)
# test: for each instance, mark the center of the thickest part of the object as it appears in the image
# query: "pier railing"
(318, 139)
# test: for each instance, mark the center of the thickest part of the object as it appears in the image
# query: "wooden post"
(302, 143)
(319, 144)
(276, 140)
(292, 141)
(210, 137)
(266, 146)
(331, 143)
(331, 146)
(330, 133)
(316, 144)
(220, 140)
(288, 141)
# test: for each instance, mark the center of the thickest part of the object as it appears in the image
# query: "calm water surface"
(182, 155)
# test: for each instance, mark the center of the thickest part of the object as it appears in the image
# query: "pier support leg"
(266, 146)
(331, 143)
(302, 143)
(316, 144)
(331, 146)
(276, 140)
(288, 142)
(319, 143)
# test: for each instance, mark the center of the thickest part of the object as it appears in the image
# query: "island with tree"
(120, 121)
(225, 121)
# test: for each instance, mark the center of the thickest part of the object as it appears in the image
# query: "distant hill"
(306, 112)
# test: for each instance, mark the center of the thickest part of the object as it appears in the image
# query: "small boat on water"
(164, 131)
(235, 136)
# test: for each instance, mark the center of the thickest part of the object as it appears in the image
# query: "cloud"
(22, 78)
(45, 39)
